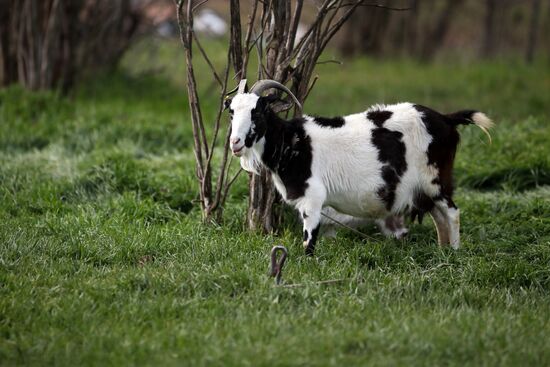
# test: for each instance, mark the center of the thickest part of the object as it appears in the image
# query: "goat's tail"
(477, 118)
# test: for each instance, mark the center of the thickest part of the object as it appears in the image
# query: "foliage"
(104, 260)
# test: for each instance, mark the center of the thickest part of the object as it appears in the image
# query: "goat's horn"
(242, 86)
(262, 85)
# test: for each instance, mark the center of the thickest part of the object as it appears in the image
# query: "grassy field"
(104, 261)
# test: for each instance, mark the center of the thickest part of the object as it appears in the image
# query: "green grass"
(104, 261)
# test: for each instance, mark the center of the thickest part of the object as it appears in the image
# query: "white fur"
(346, 162)
(484, 123)
(241, 121)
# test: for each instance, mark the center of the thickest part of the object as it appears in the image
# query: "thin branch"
(199, 4)
(229, 184)
(224, 170)
(217, 127)
(294, 26)
(207, 59)
(329, 62)
(185, 26)
(311, 86)
(254, 43)
(380, 6)
(235, 36)
(249, 29)
(312, 27)
(339, 24)
(200, 122)
(331, 18)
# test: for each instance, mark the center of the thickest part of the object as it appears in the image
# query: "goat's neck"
(277, 138)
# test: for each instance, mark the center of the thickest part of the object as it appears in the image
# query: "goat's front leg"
(312, 225)
(310, 209)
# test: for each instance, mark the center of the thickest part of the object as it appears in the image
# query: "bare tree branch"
(271, 34)
(198, 5)
(249, 29)
(207, 59)
(219, 185)
(380, 6)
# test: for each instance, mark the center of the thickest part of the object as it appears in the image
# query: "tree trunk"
(263, 203)
(263, 198)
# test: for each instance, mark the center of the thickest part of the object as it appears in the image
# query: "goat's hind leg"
(441, 225)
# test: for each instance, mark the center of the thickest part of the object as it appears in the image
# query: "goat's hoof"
(309, 250)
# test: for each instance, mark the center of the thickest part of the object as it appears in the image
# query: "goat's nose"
(235, 141)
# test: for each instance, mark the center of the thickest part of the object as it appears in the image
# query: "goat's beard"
(251, 159)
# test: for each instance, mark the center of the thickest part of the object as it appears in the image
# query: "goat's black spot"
(391, 149)
(250, 138)
(387, 192)
(391, 152)
(334, 122)
(379, 117)
(422, 204)
(258, 125)
(288, 152)
(442, 149)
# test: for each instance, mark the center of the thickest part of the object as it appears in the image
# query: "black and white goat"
(382, 163)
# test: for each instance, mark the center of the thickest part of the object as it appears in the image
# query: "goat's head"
(249, 112)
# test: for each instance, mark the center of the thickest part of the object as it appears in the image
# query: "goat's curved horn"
(242, 86)
(262, 85)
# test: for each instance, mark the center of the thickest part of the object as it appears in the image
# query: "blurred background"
(51, 43)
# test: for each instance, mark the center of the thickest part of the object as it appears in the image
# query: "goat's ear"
(226, 103)
(265, 101)
(270, 98)
(275, 103)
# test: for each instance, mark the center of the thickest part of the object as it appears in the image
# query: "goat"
(385, 162)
